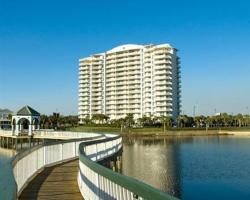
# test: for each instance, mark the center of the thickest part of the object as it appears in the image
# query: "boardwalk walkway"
(57, 182)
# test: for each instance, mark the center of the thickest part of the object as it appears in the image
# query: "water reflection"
(6, 154)
(191, 167)
(154, 161)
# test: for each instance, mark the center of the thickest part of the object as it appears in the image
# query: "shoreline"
(189, 133)
(158, 132)
(176, 134)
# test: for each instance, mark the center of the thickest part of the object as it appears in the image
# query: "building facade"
(137, 79)
(5, 115)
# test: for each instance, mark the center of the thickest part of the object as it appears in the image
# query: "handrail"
(28, 163)
(24, 153)
(109, 182)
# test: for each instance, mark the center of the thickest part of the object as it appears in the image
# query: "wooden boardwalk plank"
(56, 183)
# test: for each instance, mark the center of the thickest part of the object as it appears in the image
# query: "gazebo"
(26, 120)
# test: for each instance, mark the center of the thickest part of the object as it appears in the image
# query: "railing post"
(96, 151)
(97, 185)
(61, 151)
(105, 143)
(75, 150)
(44, 155)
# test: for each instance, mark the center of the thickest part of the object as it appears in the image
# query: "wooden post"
(119, 163)
(112, 165)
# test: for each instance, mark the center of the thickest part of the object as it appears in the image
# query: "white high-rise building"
(137, 79)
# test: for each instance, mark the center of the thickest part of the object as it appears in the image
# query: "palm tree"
(44, 121)
(87, 120)
(166, 121)
(129, 120)
(239, 119)
(144, 120)
(105, 118)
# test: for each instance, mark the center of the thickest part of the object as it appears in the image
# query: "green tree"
(129, 120)
(166, 121)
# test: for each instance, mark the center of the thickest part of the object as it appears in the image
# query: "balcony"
(96, 81)
(163, 88)
(83, 94)
(110, 88)
(84, 81)
(84, 72)
(164, 98)
(164, 82)
(163, 109)
(133, 72)
(165, 104)
(83, 98)
(110, 84)
(163, 67)
(136, 82)
(96, 90)
(132, 67)
(134, 62)
(83, 84)
(163, 61)
(96, 74)
(134, 78)
(163, 93)
(163, 72)
(83, 103)
(164, 77)
(84, 77)
(83, 90)
(96, 105)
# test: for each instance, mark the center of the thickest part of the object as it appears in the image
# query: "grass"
(148, 130)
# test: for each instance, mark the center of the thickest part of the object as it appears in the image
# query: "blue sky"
(41, 42)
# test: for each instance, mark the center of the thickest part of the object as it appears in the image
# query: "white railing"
(97, 182)
(94, 180)
(63, 134)
(27, 164)
(88, 179)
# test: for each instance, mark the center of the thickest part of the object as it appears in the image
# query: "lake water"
(5, 156)
(5, 169)
(193, 167)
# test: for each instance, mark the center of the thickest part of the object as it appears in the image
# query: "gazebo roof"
(27, 111)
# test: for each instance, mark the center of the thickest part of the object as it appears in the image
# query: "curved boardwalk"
(57, 182)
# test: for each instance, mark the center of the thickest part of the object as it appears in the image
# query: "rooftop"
(27, 111)
(5, 111)
(125, 47)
